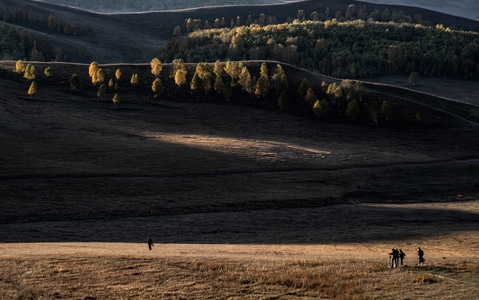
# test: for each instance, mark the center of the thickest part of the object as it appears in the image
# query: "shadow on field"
(75, 169)
(345, 223)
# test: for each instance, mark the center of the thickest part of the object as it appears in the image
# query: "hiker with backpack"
(420, 256)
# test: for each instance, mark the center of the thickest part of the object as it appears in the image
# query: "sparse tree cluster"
(29, 74)
(343, 99)
(239, 82)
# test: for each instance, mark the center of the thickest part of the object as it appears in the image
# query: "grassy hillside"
(199, 271)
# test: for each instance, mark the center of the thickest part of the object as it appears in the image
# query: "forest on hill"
(355, 44)
(343, 37)
(18, 41)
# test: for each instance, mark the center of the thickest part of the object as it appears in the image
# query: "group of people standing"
(397, 257)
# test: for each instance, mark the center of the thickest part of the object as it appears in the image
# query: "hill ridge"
(144, 35)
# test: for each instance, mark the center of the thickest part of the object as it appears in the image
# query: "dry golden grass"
(188, 271)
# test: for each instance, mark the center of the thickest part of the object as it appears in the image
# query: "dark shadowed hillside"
(73, 163)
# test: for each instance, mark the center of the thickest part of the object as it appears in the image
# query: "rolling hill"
(242, 199)
(138, 37)
(463, 8)
(142, 160)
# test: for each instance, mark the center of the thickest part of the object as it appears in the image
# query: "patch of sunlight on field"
(471, 207)
(234, 145)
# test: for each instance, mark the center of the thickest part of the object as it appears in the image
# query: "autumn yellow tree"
(233, 69)
(48, 72)
(157, 87)
(263, 84)
(93, 68)
(204, 72)
(98, 77)
(219, 85)
(156, 67)
(196, 83)
(118, 74)
(245, 80)
(310, 97)
(19, 66)
(177, 64)
(317, 108)
(134, 80)
(180, 77)
(116, 99)
(33, 89)
(29, 72)
(279, 80)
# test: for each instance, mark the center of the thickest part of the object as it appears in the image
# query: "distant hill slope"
(153, 5)
(462, 8)
(82, 36)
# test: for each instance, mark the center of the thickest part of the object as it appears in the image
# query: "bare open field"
(242, 203)
(238, 271)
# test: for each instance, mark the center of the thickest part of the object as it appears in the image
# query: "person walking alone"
(150, 243)
(420, 256)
